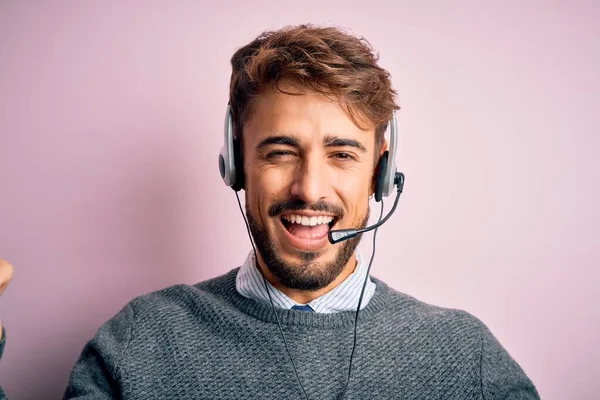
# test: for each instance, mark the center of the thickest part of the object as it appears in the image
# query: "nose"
(310, 181)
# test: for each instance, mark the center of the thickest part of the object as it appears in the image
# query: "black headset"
(232, 171)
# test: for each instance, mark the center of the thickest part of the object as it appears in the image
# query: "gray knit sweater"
(208, 342)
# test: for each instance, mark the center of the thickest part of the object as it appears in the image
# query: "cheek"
(264, 187)
(271, 184)
(354, 186)
(354, 192)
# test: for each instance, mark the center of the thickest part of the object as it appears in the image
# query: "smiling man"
(308, 110)
(309, 168)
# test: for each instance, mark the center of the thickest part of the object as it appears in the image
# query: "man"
(309, 108)
(6, 274)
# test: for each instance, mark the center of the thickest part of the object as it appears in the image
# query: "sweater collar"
(380, 301)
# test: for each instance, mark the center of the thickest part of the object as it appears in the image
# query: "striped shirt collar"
(249, 283)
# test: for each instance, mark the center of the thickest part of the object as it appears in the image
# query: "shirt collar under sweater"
(249, 283)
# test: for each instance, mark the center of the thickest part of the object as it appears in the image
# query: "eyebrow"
(329, 141)
(282, 139)
(335, 141)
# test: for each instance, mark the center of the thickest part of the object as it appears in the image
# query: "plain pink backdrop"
(111, 118)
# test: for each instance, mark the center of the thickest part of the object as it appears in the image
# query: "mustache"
(280, 207)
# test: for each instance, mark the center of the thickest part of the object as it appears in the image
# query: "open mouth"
(289, 220)
(308, 227)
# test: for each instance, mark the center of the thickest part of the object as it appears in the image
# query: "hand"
(6, 273)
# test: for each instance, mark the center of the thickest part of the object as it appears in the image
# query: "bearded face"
(309, 169)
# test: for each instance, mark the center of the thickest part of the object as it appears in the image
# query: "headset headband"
(229, 164)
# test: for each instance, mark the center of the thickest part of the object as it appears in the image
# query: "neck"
(303, 296)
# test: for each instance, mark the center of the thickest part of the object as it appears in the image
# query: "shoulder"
(183, 298)
(168, 312)
(441, 323)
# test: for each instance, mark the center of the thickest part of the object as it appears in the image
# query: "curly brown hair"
(324, 60)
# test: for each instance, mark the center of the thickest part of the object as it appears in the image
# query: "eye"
(344, 156)
(277, 154)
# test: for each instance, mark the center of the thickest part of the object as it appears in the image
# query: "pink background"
(111, 117)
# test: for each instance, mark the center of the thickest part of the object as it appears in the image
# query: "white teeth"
(307, 221)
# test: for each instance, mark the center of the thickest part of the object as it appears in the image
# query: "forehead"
(309, 116)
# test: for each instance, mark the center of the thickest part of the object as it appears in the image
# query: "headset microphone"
(339, 235)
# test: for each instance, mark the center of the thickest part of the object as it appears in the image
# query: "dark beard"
(308, 276)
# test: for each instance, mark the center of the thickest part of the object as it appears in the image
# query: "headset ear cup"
(238, 163)
(381, 171)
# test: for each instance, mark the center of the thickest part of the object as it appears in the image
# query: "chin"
(299, 257)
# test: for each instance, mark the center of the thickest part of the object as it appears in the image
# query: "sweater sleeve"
(501, 376)
(95, 375)
(2, 341)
